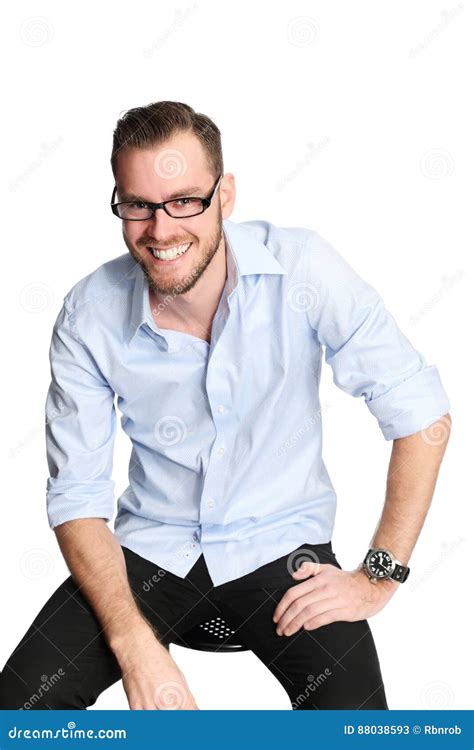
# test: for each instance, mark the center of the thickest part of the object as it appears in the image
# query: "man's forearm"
(411, 481)
(97, 564)
(96, 561)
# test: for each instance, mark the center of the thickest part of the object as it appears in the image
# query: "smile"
(170, 253)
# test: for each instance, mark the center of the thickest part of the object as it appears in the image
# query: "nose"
(161, 225)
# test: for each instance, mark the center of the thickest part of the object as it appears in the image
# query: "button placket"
(220, 399)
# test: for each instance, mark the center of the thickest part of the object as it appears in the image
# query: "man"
(211, 335)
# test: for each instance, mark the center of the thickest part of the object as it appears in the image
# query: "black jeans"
(63, 661)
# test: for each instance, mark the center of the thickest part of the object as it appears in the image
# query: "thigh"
(63, 660)
(335, 666)
(171, 604)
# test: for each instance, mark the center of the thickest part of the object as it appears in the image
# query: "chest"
(191, 328)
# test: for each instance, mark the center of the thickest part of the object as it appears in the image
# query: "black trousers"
(63, 661)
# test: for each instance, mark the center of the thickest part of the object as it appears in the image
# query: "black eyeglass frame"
(154, 206)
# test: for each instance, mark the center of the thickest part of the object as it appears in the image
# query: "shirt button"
(220, 451)
(221, 409)
(195, 536)
(210, 503)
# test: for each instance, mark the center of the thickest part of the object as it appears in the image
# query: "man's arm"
(97, 564)
(80, 430)
(330, 594)
(412, 475)
(371, 358)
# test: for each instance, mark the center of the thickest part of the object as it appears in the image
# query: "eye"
(138, 204)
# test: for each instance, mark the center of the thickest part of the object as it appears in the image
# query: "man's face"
(155, 175)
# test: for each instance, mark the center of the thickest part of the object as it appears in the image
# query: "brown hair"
(143, 127)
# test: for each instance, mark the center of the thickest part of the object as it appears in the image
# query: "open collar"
(246, 256)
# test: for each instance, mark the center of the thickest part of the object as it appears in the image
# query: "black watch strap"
(400, 573)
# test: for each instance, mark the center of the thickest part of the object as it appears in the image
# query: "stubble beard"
(172, 283)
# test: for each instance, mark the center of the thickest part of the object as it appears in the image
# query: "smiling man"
(211, 336)
(177, 245)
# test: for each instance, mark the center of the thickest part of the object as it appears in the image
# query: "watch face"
(380, 563)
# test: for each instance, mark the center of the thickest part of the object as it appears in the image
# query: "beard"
(165, 281)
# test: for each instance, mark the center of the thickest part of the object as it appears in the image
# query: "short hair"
(150, 125)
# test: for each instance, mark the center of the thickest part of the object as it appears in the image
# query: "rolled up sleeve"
(368, 353)
(80, 430)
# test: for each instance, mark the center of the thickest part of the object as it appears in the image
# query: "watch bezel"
(371, 573)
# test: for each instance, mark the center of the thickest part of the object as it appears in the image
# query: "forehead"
(157, 172)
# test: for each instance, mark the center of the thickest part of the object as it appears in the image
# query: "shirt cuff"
(68, 500)
(412, 405)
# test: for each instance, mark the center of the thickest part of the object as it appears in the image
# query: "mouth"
(170, 255)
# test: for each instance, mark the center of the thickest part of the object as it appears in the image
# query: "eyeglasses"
(177, 208)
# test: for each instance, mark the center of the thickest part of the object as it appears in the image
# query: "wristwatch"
(380, 564)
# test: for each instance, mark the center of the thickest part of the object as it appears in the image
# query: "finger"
(311, 610)
(298, 606)
(335, 615)
(294, 593)
(307, 569)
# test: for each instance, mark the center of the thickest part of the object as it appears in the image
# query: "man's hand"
(328, 595)
(151, 678)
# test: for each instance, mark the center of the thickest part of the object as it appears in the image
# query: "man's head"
(168, 150)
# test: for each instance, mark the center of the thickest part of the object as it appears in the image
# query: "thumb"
(305, 569)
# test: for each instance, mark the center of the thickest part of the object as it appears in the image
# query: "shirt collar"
(246, 255)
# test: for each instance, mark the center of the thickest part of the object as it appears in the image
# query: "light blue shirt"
(226, 437)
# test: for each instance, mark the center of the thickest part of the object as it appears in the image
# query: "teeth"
(171, 253)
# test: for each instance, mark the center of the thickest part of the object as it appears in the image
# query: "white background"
(349, 118)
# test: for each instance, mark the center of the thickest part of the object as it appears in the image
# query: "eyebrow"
(177, 194)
